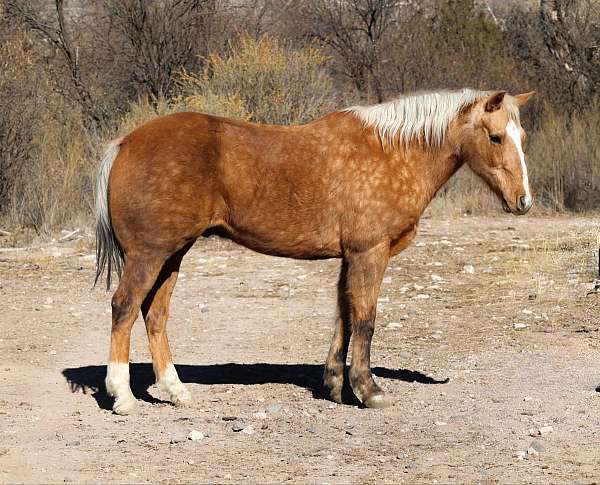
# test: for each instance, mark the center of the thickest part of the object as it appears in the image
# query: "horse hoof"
(377, 401)
(182, 399)
(336, 396)
(125, 406)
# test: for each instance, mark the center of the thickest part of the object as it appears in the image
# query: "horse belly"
(300, 241)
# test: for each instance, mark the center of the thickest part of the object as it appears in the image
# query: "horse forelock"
(422, 117)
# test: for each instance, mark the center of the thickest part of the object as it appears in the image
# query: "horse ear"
(494, 101)
(523, 99)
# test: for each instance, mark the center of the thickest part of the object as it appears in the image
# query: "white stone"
(195, 435)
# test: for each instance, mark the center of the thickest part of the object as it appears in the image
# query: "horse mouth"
(505, 206)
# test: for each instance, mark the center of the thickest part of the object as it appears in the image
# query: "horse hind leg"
(139, 275)
(155, 310)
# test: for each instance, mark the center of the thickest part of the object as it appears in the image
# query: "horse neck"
(433, 167)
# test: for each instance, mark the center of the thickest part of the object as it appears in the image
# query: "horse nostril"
(523, 203)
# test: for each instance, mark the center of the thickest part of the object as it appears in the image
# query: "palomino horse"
(351, 185)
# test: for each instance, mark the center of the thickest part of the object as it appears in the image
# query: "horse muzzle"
(524, 203)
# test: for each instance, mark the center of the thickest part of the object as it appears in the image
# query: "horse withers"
(351, 185)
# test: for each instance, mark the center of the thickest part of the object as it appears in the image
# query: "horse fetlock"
(363, 385)
(117, 386)
(334, 382)
(117, 379)
(170, 383)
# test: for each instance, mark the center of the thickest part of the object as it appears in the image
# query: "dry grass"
(565, 159)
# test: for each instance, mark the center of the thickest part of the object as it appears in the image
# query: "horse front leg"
(335, 366)
(365, 272)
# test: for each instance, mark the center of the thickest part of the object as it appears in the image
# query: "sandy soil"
(250, 334)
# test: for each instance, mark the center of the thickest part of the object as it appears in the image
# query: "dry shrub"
(565, 159)
(262, 81)
(143, 110)
(45, 173)
(56, 184)
(465, 193)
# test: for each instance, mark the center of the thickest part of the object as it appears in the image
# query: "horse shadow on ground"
(90, 379)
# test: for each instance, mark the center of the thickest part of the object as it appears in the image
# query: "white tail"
(109, 254)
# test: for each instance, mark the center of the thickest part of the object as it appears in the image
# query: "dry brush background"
(77, 73)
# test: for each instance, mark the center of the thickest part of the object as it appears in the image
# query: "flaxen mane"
(423, 117)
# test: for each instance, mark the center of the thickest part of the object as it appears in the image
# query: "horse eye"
(495, 139)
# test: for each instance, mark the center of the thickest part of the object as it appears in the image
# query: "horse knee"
(122, 306)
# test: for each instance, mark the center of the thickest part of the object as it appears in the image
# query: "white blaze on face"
(512, 130)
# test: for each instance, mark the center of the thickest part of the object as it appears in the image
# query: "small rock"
(437, 278)
(536, 446)
(229, 418)
(311, 429)
(469, 269)
(520, 455)
(544, 430)
(421, 296)
(527, 398)
(248, 430)
(273, 408)
(178, 438)
(532, 451)
(520, 326)
(393, 325)
(526, 312)
(260, 415)
(238, 426)
(72, 443)
(440, 423)
(264, 426)
(190, 462)
(195, 435)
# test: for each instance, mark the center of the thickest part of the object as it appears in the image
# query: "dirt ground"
(250, 334)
